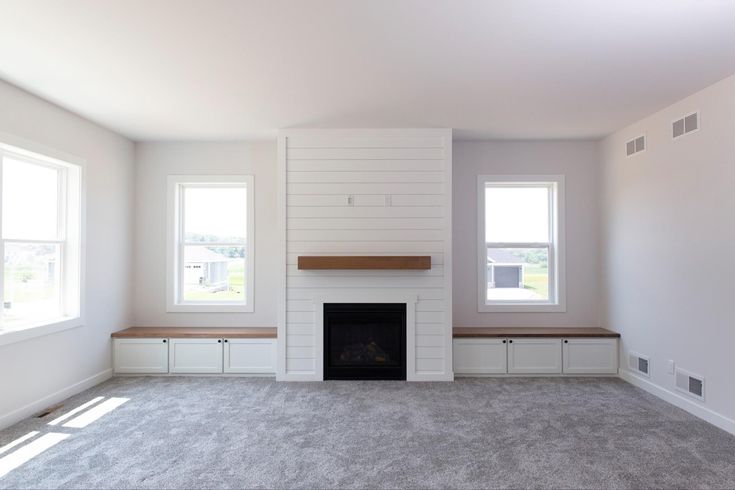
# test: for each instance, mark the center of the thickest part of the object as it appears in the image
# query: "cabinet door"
(256, 356)
(534, 356)
(195, 356)
(590, 356)
(480, 356)
(140, 356)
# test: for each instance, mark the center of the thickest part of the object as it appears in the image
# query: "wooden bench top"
(196, 333)
(466, 332)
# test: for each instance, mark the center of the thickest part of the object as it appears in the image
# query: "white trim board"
(34, 407)
(693, 407)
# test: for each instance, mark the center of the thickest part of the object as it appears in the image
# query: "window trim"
(557, 273)
(28, 150)
(174, 243)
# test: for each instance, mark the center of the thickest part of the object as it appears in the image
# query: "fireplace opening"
(364, 341)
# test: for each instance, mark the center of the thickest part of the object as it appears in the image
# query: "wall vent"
(640, 364)
(635, 145)
(685, 125)
(690, 383)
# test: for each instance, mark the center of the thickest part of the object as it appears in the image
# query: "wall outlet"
(672, 366)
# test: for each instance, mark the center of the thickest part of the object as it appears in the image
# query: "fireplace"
(364, 341)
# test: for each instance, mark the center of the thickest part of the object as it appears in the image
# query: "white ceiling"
(218, 69)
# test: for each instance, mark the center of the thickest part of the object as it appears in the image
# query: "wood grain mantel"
(332, 262)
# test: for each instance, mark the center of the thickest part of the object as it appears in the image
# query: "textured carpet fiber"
(256, 433)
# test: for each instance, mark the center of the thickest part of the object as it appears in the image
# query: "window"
(520, 252)
(210, 256)
(40, 279)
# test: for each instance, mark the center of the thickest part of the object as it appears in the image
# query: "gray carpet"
(256, 433)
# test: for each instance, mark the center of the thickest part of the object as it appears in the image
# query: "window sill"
(522, 308)
(194, 308)
(27, 332)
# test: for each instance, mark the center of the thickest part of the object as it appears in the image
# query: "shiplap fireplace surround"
(369, 193)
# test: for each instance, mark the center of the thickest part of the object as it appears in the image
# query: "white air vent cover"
(685, 125)
(640, 364)
(690, 383)
(635, 145)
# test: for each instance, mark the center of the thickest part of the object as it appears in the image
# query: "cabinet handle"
(566, 341)
(510, 341)
(164, 341)
(225, 341)
(219, 341)
(504, 341)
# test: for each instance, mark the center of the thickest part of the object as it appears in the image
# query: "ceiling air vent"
(690, 383)
(685, 125)
(638, 363)
(635, 145)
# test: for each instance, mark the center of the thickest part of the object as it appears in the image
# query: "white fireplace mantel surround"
(365, 192)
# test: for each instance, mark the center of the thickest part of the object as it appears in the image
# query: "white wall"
(578, 161)
(154, 162)
(413, 169)
(669, 215)
(36, 372)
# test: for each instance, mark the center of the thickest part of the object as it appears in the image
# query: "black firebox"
(364, 341)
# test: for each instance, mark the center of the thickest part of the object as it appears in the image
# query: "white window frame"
(174, 269)
(557, 273)
(70, 238)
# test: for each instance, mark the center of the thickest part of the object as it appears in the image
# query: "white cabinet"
(254, 356)
(534, 356)
(140, 356)
(590, 356)
(195, 356)
(480, 356)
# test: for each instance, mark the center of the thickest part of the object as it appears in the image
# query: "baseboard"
(32, 408)
(677, 400)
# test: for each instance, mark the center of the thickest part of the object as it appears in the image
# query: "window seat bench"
(494, 351)
(195, 350)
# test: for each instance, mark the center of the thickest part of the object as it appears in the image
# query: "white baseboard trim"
(33, 408)
(677, 400)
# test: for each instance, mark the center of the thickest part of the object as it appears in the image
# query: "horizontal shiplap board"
(364, 177)
(300, 352)
(430, 340)
(339, 188)
(300, 316)
(301, 329)
(436, 258)
(429, 365)
(365, 224)
(308, 306)
(309, 293)
(356, 165)
(429, 317)
(362, 142)
(299, 340)
(365, 282)
(300, 365)
(359, 212)
(325, 247)
(430, 352)
(430, 329)
(365, 154)
(365, 235)
(332, 200)
(436, 270)
(309, 316)
(417, 200)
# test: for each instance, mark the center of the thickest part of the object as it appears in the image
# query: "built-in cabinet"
(540, 355)
(194, 355)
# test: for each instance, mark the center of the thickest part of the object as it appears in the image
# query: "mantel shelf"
(334, 262)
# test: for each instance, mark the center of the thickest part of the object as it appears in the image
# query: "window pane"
(215, 214)
(30, 200)
(214, 273)
(32, 291)
(517, 274)
(517, 214)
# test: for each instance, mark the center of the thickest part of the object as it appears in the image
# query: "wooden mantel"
(332, 262)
